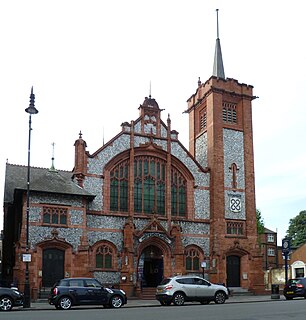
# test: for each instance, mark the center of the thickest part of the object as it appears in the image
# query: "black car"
(295, 288)
(9, 298)
(84, 291)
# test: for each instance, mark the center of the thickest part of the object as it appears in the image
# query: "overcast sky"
(91, 63)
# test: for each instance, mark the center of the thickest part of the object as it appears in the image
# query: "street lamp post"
(27, 292)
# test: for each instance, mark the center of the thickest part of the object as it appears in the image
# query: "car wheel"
(165, 303)
(179, 299)
(220, 297)
(288, 298)
(116, 302)
(6, 304)
(64, 303)
(204, 301)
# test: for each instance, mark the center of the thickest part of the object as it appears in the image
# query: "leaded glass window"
(119, 187)
(55, 215)
(178, 193)
(192, 259)
(149, 185)
(104, 257)
(235, 228)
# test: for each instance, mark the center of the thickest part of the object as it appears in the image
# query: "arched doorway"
(52, 266)
(233, 271)
(151, 266)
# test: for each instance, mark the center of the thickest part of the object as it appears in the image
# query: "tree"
(260, 223)
(297, 229)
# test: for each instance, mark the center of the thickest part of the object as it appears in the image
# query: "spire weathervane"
(217, 10)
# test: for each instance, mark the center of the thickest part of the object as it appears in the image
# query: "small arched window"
(192, 259)
(104, 257)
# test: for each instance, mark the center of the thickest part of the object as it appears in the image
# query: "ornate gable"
(153, 227)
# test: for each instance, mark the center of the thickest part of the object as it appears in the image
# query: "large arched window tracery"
(150, 180)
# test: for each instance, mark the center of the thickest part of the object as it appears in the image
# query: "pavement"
(138, 303)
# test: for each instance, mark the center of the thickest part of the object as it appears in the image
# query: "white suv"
(179, 289)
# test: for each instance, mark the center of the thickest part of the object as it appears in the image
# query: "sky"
(92, 62)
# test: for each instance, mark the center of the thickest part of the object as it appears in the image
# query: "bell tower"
(221, 138)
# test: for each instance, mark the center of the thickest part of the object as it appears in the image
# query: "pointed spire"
(218, 70)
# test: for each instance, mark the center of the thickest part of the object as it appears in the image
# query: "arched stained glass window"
(104, 257)
(119, 187)
(149, 185)
(178, 193)
(192, 259)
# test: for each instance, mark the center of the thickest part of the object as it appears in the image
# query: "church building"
(142, 207)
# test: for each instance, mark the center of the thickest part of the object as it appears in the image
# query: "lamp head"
(31, 108)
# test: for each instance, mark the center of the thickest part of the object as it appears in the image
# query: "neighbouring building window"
(119, 187)
(229, 112)
(104, 257)
(235, 228)
(55, 215)
(192, 259)
(271, 252)
(299, 272)
(270, 237)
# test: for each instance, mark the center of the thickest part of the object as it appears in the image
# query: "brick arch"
(240, 252)
(155, 241)
(53, 243)
(165, 261)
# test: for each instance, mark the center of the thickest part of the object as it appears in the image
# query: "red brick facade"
(210, 220)
(211, 96)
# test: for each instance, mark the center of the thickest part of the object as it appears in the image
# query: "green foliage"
(297, 229)
(260, 222)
